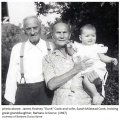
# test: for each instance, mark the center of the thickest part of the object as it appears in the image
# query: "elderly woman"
(62, 74)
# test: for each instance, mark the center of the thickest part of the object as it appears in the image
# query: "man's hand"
(6, 102)
(11, 103)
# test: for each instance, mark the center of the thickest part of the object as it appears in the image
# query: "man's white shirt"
(33, 55)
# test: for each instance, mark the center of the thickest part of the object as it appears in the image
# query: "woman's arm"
(58, 81)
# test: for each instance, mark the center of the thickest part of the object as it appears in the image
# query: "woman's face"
(61, 34)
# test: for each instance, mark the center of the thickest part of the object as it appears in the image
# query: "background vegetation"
(103, 15)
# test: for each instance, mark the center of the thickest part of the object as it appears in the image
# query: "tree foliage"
(11, 35)
(104, 15)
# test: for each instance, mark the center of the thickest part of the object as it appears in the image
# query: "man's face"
(61, 34)
(88, 36)
(32, 29)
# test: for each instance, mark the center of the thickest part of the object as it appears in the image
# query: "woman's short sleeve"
(48, 69)
(100, 48)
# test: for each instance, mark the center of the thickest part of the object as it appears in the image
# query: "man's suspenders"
(21, 62)
(48, 46)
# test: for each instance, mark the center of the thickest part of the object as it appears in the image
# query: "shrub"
(11, 35)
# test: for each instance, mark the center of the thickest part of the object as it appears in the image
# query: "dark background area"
(105, 17)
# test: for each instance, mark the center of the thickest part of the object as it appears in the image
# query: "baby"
(96, 53)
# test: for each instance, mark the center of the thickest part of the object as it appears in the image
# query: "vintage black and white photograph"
(60, 53)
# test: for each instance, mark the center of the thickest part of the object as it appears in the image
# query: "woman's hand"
(82, 65)
(92, 76)
(71, 49)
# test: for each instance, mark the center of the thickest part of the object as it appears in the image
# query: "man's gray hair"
(30, 17)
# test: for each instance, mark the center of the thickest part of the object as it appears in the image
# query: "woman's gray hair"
(57, 22)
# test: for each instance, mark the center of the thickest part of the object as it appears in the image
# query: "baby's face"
(88, 36)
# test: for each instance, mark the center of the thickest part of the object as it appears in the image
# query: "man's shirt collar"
(41, 45)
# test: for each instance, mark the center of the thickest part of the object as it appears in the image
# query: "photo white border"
(74, 115)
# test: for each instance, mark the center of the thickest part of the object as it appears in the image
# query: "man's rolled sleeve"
(11, 81)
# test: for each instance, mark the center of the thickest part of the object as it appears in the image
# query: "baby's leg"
(97, 98)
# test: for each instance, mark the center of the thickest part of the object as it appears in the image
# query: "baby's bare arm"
(107, 59)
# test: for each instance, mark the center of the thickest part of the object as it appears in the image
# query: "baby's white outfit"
(91, 52)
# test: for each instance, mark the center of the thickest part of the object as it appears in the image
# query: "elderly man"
(25, 83)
